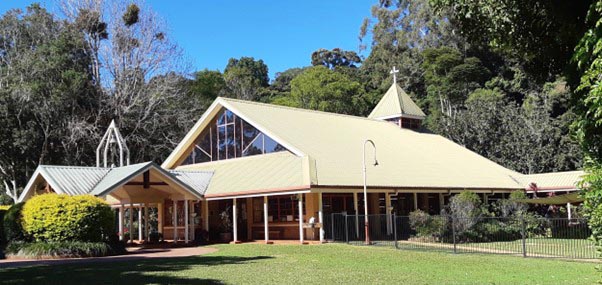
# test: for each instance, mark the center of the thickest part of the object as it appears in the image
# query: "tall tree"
(335, 58)
(399, 30)
(320, 88)
(540, 33)
(47, 97)
(246, 78)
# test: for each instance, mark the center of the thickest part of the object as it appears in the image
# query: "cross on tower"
(394, 72)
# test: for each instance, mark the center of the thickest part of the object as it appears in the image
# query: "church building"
(279, 172)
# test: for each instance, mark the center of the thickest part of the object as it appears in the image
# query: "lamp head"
(375, 162)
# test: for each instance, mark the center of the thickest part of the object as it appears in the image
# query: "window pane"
(271, 145)
(255, 147)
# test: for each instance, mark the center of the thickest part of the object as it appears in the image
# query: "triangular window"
(229, 136)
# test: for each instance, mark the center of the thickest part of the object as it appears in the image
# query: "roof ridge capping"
(299, 109)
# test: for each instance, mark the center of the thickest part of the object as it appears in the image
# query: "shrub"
(56, 218)
(426, 225)
(3, 210)
(465, 209)
(62, 249)
(155, 237)
(13, 229)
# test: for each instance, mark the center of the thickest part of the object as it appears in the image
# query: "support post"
(415, 201)
(357, 220)
(568, 209)
(234, 220)
(193, 237)
(140, 239)
(206, 215)
(300, 206)
(186, 222)
(321, 216)
(388, 212)
(131, 220)
(175, 221)
(265, 219)
(121, 217)
(146, 223)
(160, 218)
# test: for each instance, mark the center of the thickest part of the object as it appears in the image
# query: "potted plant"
(225, 226)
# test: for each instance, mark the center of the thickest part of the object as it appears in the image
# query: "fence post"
(454, 233)
(332, 226)
(395, 229)
(523, 235)
(346, 230)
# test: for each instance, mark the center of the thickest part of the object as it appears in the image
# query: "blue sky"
(282, 33)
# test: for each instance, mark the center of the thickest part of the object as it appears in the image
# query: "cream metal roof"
(279, 171)
(566, 180)
(334, 142)
(396, 103)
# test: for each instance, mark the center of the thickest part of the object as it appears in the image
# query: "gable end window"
(228, 136)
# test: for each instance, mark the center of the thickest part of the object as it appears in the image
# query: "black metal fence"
(527, 236)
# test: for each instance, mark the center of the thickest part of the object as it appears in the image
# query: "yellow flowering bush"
(55, 218)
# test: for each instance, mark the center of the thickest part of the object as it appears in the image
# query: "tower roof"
(396, 103)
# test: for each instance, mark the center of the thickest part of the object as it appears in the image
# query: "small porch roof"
(100, 181)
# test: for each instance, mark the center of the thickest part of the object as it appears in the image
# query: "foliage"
(56, 218)
(320, 88)
(12, 223)
(426, 225)
(62, 249)
(246, 78)
(542, 34)
(512, 208)
(3, 210)
(225, 222)
(527, 139)
(155, 237)
(465, 211)
(335, 58)
(42, 59)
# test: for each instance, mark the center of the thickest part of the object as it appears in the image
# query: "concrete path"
(133, 255)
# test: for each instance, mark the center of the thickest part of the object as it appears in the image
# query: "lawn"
(315, 264)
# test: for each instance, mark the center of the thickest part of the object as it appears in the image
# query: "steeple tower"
(113, 147)
(397, 107)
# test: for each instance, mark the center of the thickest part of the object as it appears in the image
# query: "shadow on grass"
(156, 270)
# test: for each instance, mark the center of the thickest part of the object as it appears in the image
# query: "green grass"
(315, 264)
(571, 248)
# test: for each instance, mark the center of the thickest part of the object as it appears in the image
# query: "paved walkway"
(133, 255)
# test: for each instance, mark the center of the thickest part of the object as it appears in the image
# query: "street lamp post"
(366, 226)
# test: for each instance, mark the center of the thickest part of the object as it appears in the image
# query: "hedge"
(63, 249)
(12, 223)
(57, 218)
(3, 209)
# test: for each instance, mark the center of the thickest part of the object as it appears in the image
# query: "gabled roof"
(278, 171)
(396, 103)
(334, 143)
(100, 181)
(566, 180)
